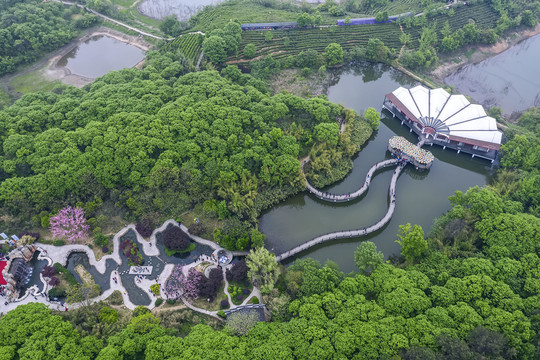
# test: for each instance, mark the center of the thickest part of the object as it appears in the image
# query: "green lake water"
(510, 80)
(420, 196)
(100, 54)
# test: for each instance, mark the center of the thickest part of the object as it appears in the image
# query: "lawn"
(33, 81)
(123, 3)
(209, 223)
(5, 99)
(134, 14)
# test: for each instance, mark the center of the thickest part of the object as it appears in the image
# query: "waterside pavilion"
(446, 120)
(414, 154)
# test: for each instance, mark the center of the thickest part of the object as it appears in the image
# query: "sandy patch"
(483, 52)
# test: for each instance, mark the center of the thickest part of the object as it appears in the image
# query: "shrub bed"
(66, 275)
(190, 247)
(131, 251)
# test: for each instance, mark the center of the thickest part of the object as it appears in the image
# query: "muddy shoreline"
(482, 53)
(52, 72)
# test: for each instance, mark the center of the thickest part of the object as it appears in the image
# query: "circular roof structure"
(448, 116)
(411, 150)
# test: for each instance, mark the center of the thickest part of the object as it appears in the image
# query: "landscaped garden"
(239, 286)
(60, 279)
(176, 241)
(131, 252)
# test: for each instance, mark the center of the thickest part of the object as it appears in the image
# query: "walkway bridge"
(347, 197)
(352, 233)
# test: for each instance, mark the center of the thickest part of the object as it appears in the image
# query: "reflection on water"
(99, 55)
(420, 196)
(183, 9)
(510, 80)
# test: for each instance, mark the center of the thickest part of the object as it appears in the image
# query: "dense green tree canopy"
(31, 28)
(413, 244)
(31, 332)
(170, 25)
(333, 54)
(195, 137)
(214, 49)
(367, 257)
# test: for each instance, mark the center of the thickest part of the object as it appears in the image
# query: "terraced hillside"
(350, 36)
(189, 45)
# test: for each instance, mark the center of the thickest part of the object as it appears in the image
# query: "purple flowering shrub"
(178, 284)
(48, 271)
(145, 227)
(131, 251)
(54, 281)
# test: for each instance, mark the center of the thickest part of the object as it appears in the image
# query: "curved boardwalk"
(347, 197)
(351, 233)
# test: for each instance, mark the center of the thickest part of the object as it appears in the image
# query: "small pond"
(136, 294)
(510, 80)
(420, 196)
(37, 266)
(183, 9)
(100, 54)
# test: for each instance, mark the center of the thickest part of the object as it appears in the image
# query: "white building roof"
(451, 115)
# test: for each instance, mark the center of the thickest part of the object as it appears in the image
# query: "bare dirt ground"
(482, 53)
(292, 81)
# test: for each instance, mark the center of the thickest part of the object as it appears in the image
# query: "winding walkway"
(351, 233)
(351, 196)
(60, 254)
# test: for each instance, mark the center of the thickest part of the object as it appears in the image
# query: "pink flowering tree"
(69, 223)
(179, 285)
(192, 284)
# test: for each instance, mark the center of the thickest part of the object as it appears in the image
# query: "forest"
(156, 143)
(31, 28)
(467, 290)
(153, 143)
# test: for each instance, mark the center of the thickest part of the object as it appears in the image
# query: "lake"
(100, 54)
(421, 196)
(183, 9)
(510, 80)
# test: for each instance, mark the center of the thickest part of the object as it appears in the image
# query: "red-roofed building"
(2, 266)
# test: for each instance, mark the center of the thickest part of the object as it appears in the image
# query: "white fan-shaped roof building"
(444, 119)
